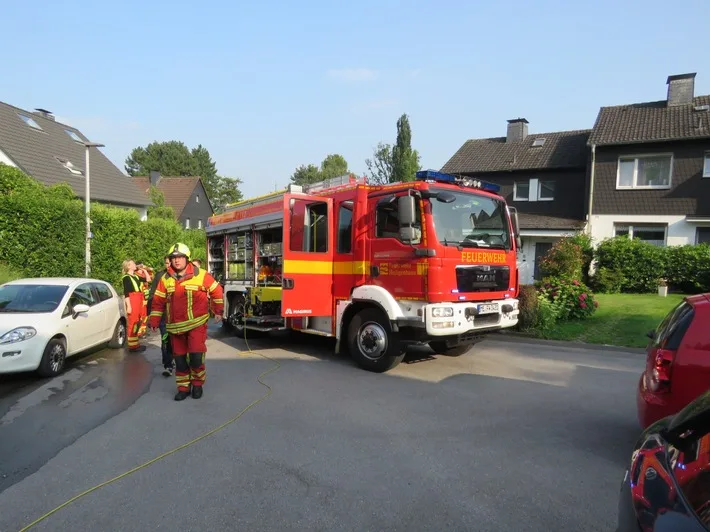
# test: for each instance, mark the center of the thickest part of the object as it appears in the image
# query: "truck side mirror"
(408, 234)
(405, 211)
(516, 227)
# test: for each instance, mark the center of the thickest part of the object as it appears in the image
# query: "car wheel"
(118, 340)
(372, 343)
(53, 359)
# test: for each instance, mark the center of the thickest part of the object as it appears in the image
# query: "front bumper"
(22, 356)
(447, 319)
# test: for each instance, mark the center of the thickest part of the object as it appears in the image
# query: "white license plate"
(488, 308)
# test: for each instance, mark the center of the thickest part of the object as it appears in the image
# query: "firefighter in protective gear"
(134, 303)
(145, 277)
(185, 295)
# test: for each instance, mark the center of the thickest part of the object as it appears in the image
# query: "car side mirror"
(79, 309)
(651, 334)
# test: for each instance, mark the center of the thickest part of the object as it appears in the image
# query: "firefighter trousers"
(189, 350)
(135, 319)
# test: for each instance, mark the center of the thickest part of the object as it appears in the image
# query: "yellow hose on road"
(263, 374)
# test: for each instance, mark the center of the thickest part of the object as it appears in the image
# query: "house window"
(30, 122)
(702, 235)
(644, 172)
(534, 190)
(653, 234)
(199, 224)
(521, 191)
(706, 165)
(547, 191)
(187, 223)
(197, 198)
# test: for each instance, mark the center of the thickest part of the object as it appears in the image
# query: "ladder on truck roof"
(347, 179)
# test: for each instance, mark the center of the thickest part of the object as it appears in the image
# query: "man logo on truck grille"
(485, 278)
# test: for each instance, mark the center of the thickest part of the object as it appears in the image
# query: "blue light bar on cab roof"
(469, 182)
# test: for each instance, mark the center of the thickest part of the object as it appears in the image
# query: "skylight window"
(69, 166)
(30, 122)
(538, 143)
(74, 136)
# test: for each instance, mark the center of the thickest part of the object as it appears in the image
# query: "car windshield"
(471, 220)
(35, 298)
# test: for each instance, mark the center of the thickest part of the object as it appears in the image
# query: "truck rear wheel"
(441, 348)
(372, 343)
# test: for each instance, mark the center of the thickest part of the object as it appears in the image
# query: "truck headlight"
(442, 312)
(18, 335)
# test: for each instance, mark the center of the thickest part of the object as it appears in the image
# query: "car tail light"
(660, 374)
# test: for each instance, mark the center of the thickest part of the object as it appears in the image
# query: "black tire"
(53, 359)
(372, 343)
(440, 348)
(234, 322)
(118, 340)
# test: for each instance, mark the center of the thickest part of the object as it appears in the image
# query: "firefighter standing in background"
(133, 299)
(185, 295)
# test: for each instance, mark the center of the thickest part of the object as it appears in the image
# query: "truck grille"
(482, 278)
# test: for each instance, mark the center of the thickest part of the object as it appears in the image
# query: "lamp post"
(87, 201)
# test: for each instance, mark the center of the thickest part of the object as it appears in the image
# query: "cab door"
(308, 251)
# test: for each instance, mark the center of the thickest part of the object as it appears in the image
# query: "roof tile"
(176, 190)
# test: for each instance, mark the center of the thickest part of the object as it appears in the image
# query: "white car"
(45, 320)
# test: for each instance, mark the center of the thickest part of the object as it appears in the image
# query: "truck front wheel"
(372, 343)
(440, 348)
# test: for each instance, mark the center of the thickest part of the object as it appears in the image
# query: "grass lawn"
(621, 319)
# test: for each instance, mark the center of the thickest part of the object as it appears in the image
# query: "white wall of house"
(675, 229)
(6, 160)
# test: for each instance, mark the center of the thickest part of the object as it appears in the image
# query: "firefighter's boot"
(196, 392)
(181, 396)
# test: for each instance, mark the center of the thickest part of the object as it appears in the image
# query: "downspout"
(591, 189)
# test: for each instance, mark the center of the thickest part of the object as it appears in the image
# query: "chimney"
(154, 178)
(45, 114)
(681, 89)
(517, 129)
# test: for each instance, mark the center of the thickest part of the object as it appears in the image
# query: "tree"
(333, 165)
(405, 161)
(391, 164)
(174, 158)
(380, 166)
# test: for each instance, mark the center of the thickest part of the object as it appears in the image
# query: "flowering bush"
(565, 259)
(572, 298)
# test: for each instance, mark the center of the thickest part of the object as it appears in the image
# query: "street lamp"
(87, 200)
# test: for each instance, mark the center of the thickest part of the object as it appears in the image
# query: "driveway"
(512, 436)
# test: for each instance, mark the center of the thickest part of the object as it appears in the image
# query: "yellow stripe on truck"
(324, 267)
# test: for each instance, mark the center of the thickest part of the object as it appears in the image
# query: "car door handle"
(287, 284)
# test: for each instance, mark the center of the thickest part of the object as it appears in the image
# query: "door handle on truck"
(287, 284)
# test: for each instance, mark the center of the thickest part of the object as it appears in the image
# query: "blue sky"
(266, 86)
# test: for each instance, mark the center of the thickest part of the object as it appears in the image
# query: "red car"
(678, 361)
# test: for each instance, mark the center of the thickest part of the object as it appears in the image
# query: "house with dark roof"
(186, 195)
(650, 168)
(52, 152)
(542, 175)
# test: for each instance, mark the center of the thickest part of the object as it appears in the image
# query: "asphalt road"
(512, 436)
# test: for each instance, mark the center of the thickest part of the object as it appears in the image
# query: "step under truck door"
(308, 250)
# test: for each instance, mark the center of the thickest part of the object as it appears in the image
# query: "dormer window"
(74, 136)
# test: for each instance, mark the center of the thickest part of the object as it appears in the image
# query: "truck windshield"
(471, 220)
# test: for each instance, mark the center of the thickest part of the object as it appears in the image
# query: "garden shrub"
(572, 298)
(584, 241)
(688, 268)
(640, 263)
(606, 281)
(565, 259)
(528, 306)
(42, 232)
(547, 316)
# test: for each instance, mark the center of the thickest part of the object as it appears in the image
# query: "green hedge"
(42, 232)
(636, 266)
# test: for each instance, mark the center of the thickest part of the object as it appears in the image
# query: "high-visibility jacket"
(186, 301)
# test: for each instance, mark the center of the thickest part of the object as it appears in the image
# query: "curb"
(521, 338)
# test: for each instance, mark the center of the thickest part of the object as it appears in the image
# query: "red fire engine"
(378, 267)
